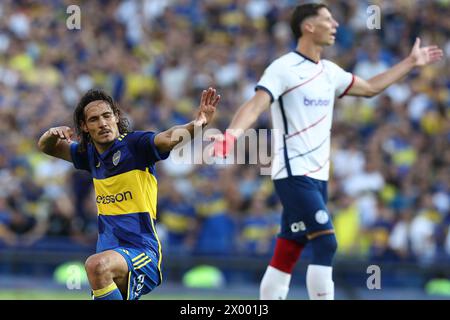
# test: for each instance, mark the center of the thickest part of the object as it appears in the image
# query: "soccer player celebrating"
(301, 87)
(122, 163)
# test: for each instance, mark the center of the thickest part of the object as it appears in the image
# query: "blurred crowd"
(389, 189)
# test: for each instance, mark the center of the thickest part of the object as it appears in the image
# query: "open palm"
(208, 104)
(425, 55)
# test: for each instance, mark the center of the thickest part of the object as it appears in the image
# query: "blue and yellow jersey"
(125, 190)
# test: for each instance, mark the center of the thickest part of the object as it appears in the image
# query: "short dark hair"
(79, 116)
(302, 12)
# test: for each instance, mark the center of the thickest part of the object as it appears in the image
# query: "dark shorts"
(304, 207)
(143, 271)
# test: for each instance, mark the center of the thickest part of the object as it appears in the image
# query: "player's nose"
(102, 122)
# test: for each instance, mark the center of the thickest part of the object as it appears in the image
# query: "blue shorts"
(304, 207)
(143, 271)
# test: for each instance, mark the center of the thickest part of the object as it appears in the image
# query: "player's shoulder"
(286, 59)
(135, 140)
(77, 148)
(282, 63)
(330, 64)
(134, 136)
(327, 62)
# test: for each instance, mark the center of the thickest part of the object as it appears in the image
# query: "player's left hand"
(425, 55)
(208, 104)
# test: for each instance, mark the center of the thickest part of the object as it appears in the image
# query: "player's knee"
(324, 248)
(96, 266)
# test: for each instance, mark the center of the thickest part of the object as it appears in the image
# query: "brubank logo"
(113, 198)
(316, 102)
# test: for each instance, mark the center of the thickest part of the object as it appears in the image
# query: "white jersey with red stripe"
(302, 93)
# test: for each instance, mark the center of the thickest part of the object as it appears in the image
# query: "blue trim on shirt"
(260, 87)
(159, 155)
(285, 124)
(306, 57)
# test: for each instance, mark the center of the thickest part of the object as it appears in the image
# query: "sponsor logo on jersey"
(321, 217)
(316, 102)
(113, 198)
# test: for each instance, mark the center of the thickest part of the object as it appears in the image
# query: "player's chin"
(329, 42)
(107, 138)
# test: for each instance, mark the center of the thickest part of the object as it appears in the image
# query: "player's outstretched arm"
(167, 140)
(244, 118)
(418, 57)
(56, 142)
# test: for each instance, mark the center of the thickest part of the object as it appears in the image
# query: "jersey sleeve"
(145, 145)
(343, 80)
(271, 81)
(80, 159)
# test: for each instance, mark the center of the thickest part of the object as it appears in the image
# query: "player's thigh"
(304, 208)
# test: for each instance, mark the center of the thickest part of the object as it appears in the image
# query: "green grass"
(41, 295)
(77, 295)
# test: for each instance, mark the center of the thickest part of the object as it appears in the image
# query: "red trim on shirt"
(303, 130)
(318, 169)
(348, 88)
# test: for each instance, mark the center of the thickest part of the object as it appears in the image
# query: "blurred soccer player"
(301, 87)
(122, 163)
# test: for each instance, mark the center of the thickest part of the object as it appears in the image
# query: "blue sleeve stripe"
(259, 87)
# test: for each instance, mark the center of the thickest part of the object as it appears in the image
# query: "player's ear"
(84, 127)
(307, 26)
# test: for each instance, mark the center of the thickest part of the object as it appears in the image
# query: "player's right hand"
(63, 133)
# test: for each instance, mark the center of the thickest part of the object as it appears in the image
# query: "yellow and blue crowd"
(389, 189)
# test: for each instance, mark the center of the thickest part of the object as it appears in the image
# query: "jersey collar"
(107, 151)
(306, 57)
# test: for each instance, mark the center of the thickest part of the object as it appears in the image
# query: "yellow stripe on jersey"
(143, 265)
(137, 257)
(129, 285)
(129, 192)
(159, 250)
(140, 261)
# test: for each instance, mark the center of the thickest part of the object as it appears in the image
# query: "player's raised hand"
(208, 104)
(63, 133)
(425, 55)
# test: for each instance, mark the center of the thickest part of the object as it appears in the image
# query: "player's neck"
(102, 147)
(309, 50)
